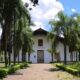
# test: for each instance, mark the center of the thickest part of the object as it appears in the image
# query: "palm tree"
(53, 39)
(52, 51)
(14, 11)
(60, 26)
(77, 31)
(27, 43)
(78, 47)
(25, 18)
(74, 32)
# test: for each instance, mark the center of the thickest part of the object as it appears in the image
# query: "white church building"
(41, 46)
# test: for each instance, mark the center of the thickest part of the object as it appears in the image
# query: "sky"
(44, 12)
(71, 6)
(47, 10)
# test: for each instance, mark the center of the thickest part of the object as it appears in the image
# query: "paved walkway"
(40, 72)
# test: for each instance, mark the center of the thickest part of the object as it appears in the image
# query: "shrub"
(17, 67)
(51, 62)
(3, 73)
(30, 62)
(13, 69)
(61, 66)
(75, 66)
(23, 65)
(69, 69)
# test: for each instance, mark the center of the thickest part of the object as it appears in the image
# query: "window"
(40, 42)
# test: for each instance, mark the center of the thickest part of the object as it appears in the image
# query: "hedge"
(71, 70)
(23, 65)
(17, 67)
(61, 66)
(68, 69)
(13, 69)
(5, 71)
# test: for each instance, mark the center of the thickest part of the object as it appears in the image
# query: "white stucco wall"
(45, 47)
(60, 48)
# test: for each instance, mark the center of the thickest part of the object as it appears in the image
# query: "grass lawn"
(2, 65)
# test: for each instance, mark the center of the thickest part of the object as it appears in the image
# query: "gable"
(40, 31)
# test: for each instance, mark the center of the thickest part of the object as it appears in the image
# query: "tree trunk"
(79, 55)
(5, 50)
(9, 58)
(14, 40)
(14, 58)
(18, 58)
(5, 34)
(28, 57)
(10, 46)
(5, 55)
(76, 56)
(71, 56)
(4, 45)
(23, 55)
(52, 57)
(65, 53)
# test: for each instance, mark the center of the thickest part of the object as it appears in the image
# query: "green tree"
(54, 40)
(27, 42)
(11, 12)
(60, 26)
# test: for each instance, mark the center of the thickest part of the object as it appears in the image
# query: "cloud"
(73, 10)
(45, 11)
(37, 25)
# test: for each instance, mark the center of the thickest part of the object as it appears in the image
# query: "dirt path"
(41, 72)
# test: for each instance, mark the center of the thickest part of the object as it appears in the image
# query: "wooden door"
(40, 56)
